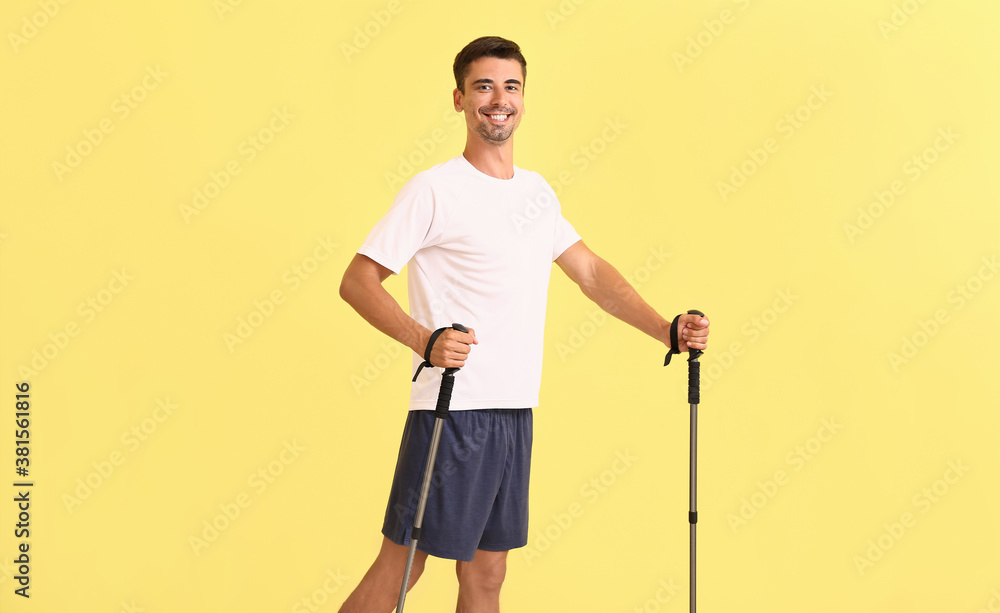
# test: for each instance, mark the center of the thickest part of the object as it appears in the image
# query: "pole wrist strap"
(673, 340)
(427, 352)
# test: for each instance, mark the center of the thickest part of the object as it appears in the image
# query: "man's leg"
(378, 591)
(479, 582)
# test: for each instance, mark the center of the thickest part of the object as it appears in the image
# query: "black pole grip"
(694, 385)
(447, 384)
(444, 396)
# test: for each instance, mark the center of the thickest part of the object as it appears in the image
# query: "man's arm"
(362, 288)
(603, 284)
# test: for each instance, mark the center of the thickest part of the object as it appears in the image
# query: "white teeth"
(498, 117)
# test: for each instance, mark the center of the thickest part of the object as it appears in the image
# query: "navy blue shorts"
(479, 489)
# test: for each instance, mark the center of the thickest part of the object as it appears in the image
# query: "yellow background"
(315, 398)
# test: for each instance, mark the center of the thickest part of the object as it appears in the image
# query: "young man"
(473, 259)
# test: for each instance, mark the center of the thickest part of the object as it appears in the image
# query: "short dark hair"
(486, 46)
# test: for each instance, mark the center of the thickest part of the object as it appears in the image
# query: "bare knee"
(485, 573)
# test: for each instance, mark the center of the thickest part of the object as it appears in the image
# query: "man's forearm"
(609, 289)
(381, 310)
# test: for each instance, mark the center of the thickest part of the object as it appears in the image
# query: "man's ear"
(457, 96)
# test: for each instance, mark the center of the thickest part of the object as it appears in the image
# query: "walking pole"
(694, 389)
(440, 414)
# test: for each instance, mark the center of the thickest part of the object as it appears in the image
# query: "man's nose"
(499, 97)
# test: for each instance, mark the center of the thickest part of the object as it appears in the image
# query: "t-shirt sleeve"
(414, 221)
(565, 235)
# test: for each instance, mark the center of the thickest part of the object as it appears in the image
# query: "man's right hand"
(452, 348)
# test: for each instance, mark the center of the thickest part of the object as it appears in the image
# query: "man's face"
(493, 101)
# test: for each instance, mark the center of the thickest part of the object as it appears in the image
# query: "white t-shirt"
(480, 251)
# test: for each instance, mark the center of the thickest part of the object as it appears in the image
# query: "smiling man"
(472, 259)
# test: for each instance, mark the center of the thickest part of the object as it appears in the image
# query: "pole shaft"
(694, 397)
(425, 487)
(406, 575)
(418, 520)
(693, 506)
(440, 414)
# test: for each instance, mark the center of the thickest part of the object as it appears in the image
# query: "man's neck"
(495, 161)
